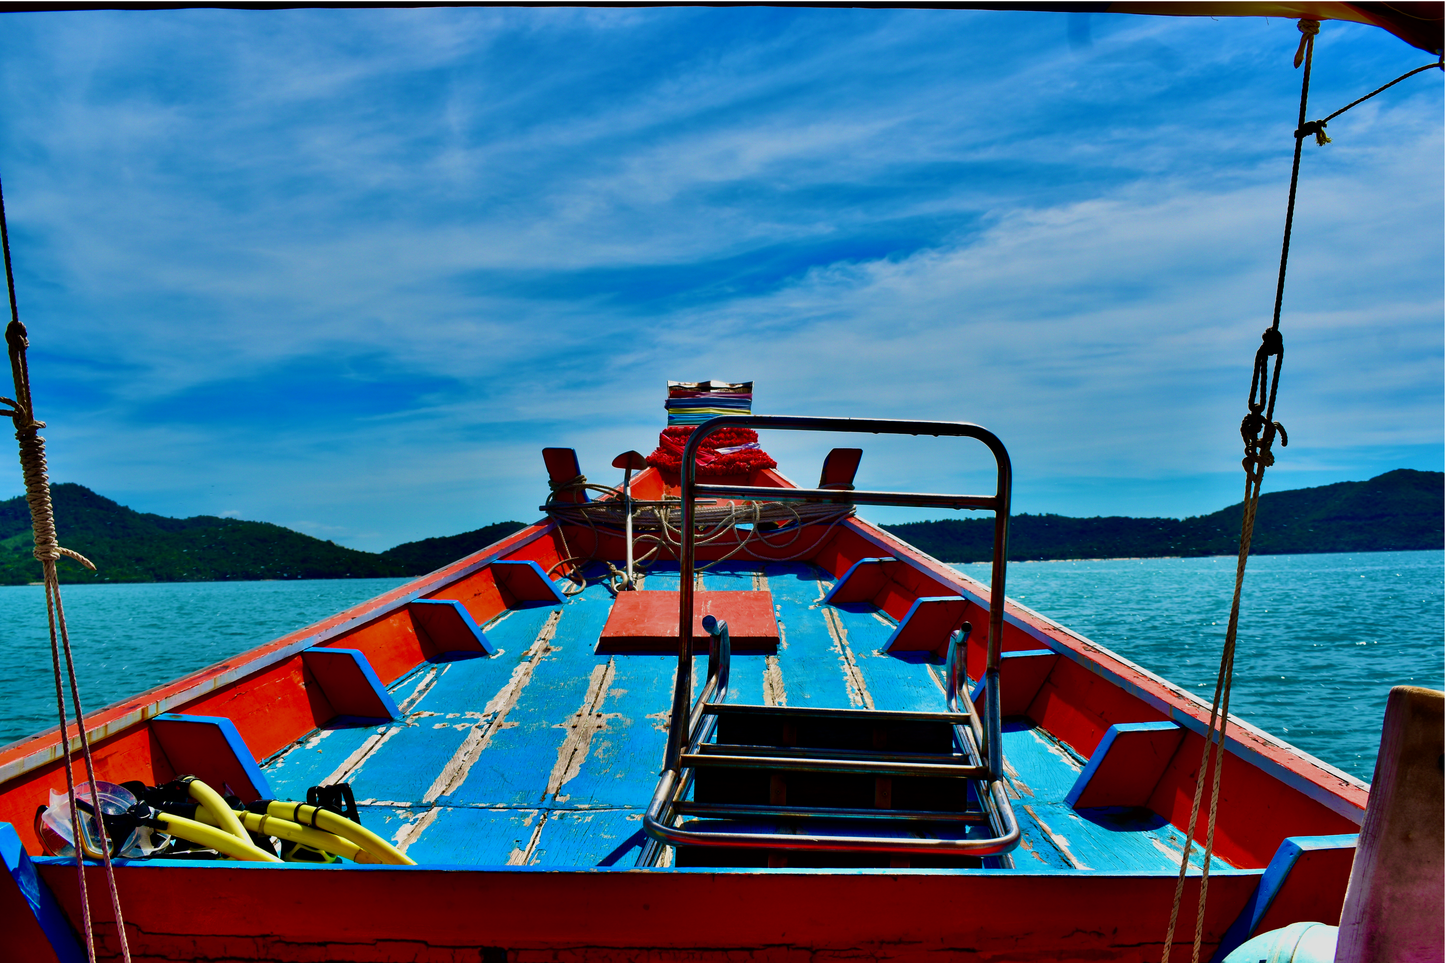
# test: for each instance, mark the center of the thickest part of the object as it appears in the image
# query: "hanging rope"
(1317, 127)
(47, 551)
(1258, 430)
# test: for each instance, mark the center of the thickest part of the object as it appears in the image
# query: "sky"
(348, 271)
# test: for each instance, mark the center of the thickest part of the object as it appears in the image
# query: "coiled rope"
(47, 551)
(660, 525)
(1258, 429)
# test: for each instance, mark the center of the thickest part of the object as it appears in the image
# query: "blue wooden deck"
(546, 753)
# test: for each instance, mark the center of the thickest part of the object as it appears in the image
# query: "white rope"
(661, 527)
(47, 552)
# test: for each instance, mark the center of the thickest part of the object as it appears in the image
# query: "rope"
(651, 517)
(47, 551)
(661, 527)
(578, 484)
(1317, 127)
(1258, 430)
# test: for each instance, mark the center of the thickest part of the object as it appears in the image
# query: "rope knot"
(1259, 433)
(32, 455)
(568, 486)
(1258, 428)
(1316, 127)
(1309, 29)
(15, 336)
(1251, 426)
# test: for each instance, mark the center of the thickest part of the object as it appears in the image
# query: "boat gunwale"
(1258, 747)
(1215, 869)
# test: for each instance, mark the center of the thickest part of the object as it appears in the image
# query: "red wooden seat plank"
(647, 621)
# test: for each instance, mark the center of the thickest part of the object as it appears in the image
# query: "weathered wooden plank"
(315, 757)
(605, 837)
(456, 711)
(1113, 840)
(465, 836)
(427, 696)
(814, 666)
(1043, 771)
(404, 762)
(896, 681)
(662, 577)
(624, 751)
(518, 763)
(745, 681)
(1036, 851)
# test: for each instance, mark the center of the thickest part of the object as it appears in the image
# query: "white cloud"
(479, 214)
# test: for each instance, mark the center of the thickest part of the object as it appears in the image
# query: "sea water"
(129, 638)
(1322, 637)
(1321, 640)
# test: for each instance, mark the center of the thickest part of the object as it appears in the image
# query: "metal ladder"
(945, 766)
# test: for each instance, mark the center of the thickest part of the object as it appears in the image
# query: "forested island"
(1394, 512)
(131, 546)
(1398, 511)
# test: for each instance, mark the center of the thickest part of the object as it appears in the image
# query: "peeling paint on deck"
(858, 693)
(352, 764)
(586, 721)
(774, 693)
(1061, 842)
(424, 686)
(494, 716)
(521, 857)
(411, 830)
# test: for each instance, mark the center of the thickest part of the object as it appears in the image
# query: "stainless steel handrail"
(854, 715)
(658, 826)
(700, 726)
(741, 750)
(958, 680)
(668, 800)
(998, 503)
(979, 740)
(819, 813)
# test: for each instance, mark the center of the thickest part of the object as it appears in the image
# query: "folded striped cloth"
(732, 451)
(693, 402)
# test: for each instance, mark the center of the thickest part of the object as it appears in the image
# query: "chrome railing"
(692, 723)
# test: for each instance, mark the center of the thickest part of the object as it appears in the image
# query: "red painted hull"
(430, 916)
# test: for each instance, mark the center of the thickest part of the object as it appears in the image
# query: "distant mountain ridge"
(131, 546)
(1402, 510)
(1397, 511)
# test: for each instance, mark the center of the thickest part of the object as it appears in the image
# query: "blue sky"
(349, 270)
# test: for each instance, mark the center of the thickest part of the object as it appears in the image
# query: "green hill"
(131, 546)
(1400, 510)
(1397, 511)
(430, 554)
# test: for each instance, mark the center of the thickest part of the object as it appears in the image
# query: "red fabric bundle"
(710, 461)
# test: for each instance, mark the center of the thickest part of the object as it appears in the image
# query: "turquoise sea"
(1323, 637)
(128, 638)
